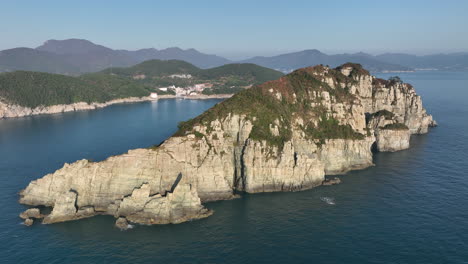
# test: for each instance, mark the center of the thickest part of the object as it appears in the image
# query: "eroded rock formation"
(283, 135)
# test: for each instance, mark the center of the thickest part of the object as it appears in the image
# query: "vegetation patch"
(263, 108)
(330, 128)
(226, 79)
(198, 134)
(396, 126)
(357, 69)
(33, 89)
(222, 90)
(385, 113)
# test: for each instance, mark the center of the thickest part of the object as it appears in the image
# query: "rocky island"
(282, 135)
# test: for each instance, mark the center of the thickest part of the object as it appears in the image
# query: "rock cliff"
(283, 135)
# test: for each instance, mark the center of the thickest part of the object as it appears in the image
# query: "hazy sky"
(242, 28)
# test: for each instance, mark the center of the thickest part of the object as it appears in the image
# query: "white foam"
(328, 200)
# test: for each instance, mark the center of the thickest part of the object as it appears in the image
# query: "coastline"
(228, 150)
(196, 97)
(12, 110)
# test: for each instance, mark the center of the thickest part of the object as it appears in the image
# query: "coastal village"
(187, 91)
(190, 90)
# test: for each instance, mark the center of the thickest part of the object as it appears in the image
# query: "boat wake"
(328, 200)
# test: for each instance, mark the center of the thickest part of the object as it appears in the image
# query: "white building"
(182, 76)
(180, 91)
(165, 89)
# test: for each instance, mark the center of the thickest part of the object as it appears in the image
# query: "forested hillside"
(33, 89)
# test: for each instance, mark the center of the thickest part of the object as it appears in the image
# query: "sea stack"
(282, 135)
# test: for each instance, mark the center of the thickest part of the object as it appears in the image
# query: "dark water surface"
(412, 207)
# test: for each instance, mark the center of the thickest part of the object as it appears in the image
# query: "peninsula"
(282, 135)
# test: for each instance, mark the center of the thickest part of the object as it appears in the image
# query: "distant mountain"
(380, 63)
(192, 56)
(78, 56)
(34, 60)
(453, 61)
(154, 69)
(253, 73)
(291, 61)
(87, 56)
(73, 46)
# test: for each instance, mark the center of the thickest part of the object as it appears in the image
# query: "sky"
(239, 29)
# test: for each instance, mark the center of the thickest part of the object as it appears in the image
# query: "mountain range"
(452, 61)
(291, 61)
(78, 56)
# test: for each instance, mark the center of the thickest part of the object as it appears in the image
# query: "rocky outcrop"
(284, 135)
(29, 215)
(390, 135)
(393, 96)
(122, 223)
(391, 140)
(28, 222)
(180, 204)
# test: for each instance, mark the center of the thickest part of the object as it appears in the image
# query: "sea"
(411, 207)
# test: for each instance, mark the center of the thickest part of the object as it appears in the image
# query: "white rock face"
(387, 138)
(168, 183)
(391, 140)
(399, 98)
(64, 208)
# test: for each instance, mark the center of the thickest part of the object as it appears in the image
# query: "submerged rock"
(334, 181)
(121, 223)
(283, 135)
(28, 222)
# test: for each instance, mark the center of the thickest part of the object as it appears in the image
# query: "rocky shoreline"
(283, 135)
(12, 110)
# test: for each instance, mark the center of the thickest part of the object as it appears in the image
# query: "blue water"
(412, 207)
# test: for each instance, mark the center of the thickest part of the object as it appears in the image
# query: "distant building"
(182, 76)
(180, 91)
(139, 77)
(154, 96)
(201, 86)
(165, 89)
